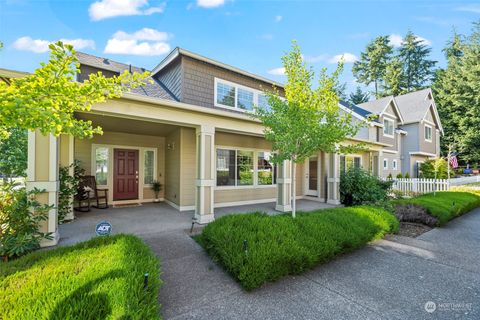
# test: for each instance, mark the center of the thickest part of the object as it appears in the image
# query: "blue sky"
(248, 34)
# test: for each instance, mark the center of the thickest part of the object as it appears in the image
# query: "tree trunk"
(294, 190)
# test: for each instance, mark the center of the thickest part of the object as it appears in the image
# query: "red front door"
(125, 175)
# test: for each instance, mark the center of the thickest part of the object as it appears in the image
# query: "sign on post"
(103, 228)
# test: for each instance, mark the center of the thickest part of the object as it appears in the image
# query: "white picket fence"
(464, 180)
(420, 186)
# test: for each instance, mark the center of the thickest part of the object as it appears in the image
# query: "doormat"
(127, 205)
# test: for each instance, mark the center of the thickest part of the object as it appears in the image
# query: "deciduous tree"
(309, 119)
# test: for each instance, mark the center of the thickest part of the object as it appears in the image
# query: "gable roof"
(379, 106)
(357, 112)
(180, 51)
(416, 105)
(152, 88)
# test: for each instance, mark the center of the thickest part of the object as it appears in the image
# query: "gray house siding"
(410, 144)
(171, 78)
(424, 145)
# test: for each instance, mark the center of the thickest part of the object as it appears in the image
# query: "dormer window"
(235, 96)
(388, 125)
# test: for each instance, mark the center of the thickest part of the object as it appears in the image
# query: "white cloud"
(315, 59)
(396, 40)
(41, 46)
(346, 57)
(105, 9)
(144, 42)
(277, 71)
(278, 18)
(210, 3)
(475, 8)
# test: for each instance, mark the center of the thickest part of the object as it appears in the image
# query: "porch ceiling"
(117, 124)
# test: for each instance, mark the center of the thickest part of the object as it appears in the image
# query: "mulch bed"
(412, 230)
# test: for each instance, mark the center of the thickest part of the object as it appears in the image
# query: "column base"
(52, 242)
(204, 218)
(335, 202)
(283, 208)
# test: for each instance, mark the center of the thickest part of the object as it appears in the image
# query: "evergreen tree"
(394, 78)
(417, 68)
(371, 66)
(340, 89)
(358, 96)
(457, 95)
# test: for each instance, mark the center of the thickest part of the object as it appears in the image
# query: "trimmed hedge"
(98, 279)
(446, 205)
(257, 248)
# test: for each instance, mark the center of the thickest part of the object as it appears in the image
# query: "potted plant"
(156, 187)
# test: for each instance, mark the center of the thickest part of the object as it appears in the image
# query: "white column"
(284, 187)
(205, 182)
(42, 173)
(333, 178)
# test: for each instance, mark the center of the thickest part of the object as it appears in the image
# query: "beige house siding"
(198, 81)
(390, 157)
(83, 152)
(172, 163)
(188, 166)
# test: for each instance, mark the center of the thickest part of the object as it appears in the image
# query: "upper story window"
(388, 125)
(232, 95)
(428, 133)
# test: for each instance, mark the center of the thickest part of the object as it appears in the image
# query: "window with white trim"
(101, 165)
(232, 95)
(349, 161)
(149, 167)
(428, 133)
(385, 164)
(388, 125)
(394, 164)
(236, 168)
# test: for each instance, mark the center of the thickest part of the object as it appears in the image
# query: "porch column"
(333, 178)
(205, 174)
(380, 164)
(42, 173)
(66, 160)
(284, 187)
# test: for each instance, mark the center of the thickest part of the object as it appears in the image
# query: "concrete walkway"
(390, 279)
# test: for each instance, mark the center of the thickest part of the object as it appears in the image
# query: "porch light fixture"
(171, 146)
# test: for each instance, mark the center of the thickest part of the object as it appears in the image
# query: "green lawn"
(279, 245)
(445, 205)
(97, 279)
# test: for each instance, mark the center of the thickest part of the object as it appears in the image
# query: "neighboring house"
(189, 128)
(411, 125)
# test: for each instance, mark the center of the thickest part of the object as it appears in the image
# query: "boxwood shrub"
(257, 248)
(98, 279)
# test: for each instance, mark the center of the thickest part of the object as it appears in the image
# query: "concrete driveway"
(390, 279)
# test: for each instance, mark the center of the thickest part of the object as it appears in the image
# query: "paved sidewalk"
(390, 279)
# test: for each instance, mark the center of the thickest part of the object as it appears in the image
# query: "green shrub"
(97, 279)
(68, 188)
(19, 228)
(257, 248)
(407, 175)
(358, 187)
(445, 205)
(390, 177)
(427, 168)
(399, 176)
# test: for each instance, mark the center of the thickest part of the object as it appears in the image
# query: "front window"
(266, 169)
(149, 177)
(101, 165)
(388, 127)
(245, 99)
(348, 162)
(244, 168)
(226, 167)
(428, 133)
(385, 164)
(394, 164)
(225, 94)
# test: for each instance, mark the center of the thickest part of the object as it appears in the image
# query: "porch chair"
(87, 191)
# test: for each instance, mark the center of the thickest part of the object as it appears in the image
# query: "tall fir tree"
(358, 96)
(417, 67)
(394, 78)
(371, 66)
(457, 95)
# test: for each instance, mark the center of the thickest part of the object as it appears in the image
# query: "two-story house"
(412, 129)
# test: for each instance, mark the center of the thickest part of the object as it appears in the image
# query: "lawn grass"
(257, 248)
(102, 278)
(445, 205)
